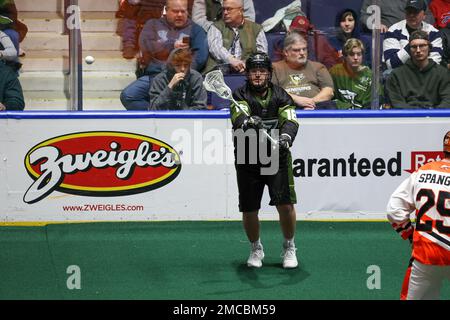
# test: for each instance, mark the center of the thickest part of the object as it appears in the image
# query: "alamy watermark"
(374, 280)
(73, 281)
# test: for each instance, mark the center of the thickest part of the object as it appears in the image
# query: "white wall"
(205, 187)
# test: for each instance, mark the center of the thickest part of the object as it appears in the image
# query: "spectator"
(395, 45)
(135, 13)
(441, 13)
(319, 48)
(347, 26)
(352, 80)
(391, 10)
(158, 38)
(178, 87)
(11, 95)
(206, 12)
(8, 51)
(232, 39)
(309, 83)
(16, 30)
(420, 82)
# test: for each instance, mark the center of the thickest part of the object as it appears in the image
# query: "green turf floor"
(199, 260)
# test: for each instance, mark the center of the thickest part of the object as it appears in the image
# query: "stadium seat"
(233, 81)
(274, 40)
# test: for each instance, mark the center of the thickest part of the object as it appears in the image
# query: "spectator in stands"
(309, 83)
(347, 27)
(319, 48)
(395, 45)
(441, 13)
(158, 38)
(135, 13)
(8, 53)
(206, 12)
(420, 82)
(11, 95)
(178, 87)
(352, 80)
(232, 39)
(15, 29)
(391, 11)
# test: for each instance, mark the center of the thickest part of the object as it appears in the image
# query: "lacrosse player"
(426, 192)
(265, 106)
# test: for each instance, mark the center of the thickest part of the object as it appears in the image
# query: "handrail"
(72, 28)
(221, 114)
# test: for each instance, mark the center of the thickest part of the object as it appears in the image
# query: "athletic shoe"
(256, 257)
(289, 257)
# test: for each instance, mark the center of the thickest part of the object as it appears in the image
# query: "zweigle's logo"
(100, 164)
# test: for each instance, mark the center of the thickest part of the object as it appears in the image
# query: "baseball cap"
(300, 23)
(416, 4)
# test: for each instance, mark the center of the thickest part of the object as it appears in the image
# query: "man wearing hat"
(395, 45)
(390, 13)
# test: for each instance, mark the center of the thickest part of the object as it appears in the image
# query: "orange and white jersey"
(427, 193)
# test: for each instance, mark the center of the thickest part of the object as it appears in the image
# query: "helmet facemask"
(447, 142)
(259, 72)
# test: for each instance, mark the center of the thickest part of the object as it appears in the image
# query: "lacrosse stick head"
(215, 82)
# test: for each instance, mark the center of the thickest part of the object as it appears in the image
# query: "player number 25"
(430, 202)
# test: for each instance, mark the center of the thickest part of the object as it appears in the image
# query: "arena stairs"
(44, 75)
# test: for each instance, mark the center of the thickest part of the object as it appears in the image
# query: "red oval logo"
(100, 164)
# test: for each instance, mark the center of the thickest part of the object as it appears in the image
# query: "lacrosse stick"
(214, 82)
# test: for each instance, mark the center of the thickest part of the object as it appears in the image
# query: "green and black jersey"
(277, 109)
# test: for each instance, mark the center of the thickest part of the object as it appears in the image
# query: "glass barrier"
(97, 55)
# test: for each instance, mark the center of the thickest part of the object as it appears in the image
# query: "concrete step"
(59, 100)
(58, 81)
(58, 5)
(107, 41)
(59, 61)
(64, 104)
(38, 21)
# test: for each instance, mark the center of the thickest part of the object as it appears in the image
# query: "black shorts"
(251, 185)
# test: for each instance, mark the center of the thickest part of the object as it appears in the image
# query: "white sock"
(289, 243)
(257, 244)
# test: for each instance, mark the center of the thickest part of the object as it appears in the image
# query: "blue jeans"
(14, 36)
(136, 95)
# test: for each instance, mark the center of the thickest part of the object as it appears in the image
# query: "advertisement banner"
(180, 166)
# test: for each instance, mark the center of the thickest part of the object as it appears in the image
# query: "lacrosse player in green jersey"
(264, 106)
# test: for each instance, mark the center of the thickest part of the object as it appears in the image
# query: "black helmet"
(258, 60)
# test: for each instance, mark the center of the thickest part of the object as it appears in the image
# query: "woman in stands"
(346, 27)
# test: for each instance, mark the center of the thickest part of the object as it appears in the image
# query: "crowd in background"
(320, 69)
